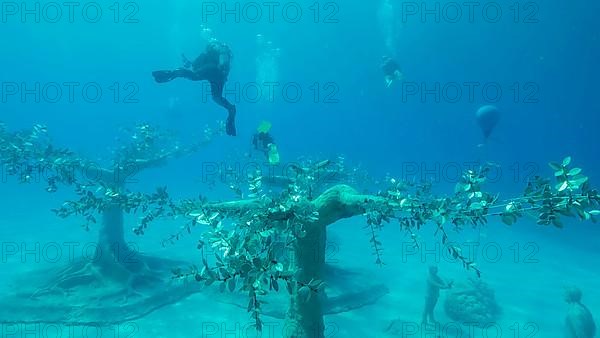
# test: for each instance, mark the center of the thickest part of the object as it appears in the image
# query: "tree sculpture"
(276, 240)
(117, 283)
(246, 253)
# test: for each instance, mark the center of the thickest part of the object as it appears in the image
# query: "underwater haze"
(305, 169)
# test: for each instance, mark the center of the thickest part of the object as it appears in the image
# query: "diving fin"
(388, 81)
(162, 76)
(273, 154)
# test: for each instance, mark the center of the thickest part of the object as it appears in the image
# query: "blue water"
(542, 56)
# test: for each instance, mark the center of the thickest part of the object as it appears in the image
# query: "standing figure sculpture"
(579, 322)
(434, 285)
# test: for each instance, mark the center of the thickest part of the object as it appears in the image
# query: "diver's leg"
(216, 89)
(162, 76)
(187, 74)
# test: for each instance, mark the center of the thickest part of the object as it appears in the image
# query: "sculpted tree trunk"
(305, 318)
(117, 284)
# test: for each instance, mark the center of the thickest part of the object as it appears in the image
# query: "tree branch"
(342, 201)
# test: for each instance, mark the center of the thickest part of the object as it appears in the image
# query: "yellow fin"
(273, 154)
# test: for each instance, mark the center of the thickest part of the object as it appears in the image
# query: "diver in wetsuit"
(264, 142)
(261, 142)
(391, 70)
(213, 65)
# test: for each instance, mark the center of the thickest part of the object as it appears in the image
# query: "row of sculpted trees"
(276, 240)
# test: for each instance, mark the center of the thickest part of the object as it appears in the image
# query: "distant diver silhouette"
(264, 142)
(391, 70)
(487, 118)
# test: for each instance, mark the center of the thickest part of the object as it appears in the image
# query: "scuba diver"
(213, 65)
(434, 284)
(391, 70)
(264, 142)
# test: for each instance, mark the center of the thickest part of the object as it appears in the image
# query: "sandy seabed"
(528, 286)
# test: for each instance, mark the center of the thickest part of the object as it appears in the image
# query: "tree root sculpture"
(116, 286)
(82, 293)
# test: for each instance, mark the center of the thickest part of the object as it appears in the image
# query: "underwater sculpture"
(120, 284)
(472, 302)
(116, 283)
(579, 322)
(247, 256)
(434, 284)
(305, 220)
(487, 118)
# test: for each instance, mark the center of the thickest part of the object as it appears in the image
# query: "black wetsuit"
(389, 66)
(261, 142)
(213, 65)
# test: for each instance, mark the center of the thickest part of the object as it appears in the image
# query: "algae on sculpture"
(117, 283)
(472, 302)
(302, 220)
